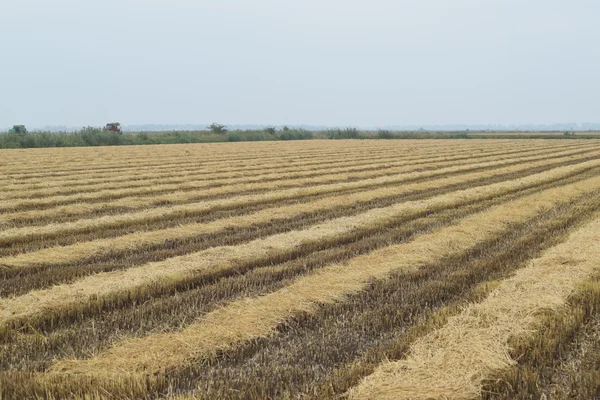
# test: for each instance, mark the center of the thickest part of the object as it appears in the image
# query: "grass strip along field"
(306, 292)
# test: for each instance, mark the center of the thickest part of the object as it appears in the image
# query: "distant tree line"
(92, 136)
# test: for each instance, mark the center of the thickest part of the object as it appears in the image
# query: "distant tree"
(217, 128)
(271, 130)
(285, 128)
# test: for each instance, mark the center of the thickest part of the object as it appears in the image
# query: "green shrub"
(234, 137)
(348, 133)
(384, 134)
(295, 134)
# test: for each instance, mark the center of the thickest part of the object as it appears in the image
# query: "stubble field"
(450, 269)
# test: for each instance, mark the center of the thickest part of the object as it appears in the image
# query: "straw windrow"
(241, 188)
(246, 319)
(293, 269)
(146, 217)
(179, 173)
(453, 361)
(85, 250)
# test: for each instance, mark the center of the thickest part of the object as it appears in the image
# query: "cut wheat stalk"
(250, 318)
(232, 189)
(166, 272)
(19, 234)
(214, 178)
(453, 362)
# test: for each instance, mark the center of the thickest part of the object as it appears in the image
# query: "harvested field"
(407, 269)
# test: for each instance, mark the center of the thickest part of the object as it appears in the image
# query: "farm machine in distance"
(113, 127)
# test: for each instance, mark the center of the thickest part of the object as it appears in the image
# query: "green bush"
(295, 134)
(234, 137)
(384, 134)
(348, 133)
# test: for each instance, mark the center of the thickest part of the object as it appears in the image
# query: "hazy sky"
(320, 62)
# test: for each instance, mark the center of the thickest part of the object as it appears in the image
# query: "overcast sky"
(319, 62)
